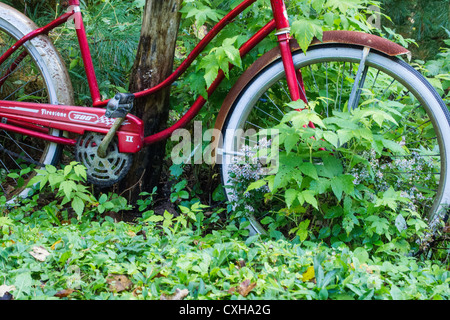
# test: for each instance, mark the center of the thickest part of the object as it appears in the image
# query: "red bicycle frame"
(25, 118)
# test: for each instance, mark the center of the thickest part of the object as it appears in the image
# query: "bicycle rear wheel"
(421, 126)
(31, 74)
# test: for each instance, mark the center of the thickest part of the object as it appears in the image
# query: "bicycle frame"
(25, 117)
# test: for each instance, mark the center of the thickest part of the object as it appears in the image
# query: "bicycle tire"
(38, 75)
(401, 73)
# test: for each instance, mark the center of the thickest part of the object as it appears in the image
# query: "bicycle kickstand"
(118, 108)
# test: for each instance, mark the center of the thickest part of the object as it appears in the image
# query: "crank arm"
(101, 152)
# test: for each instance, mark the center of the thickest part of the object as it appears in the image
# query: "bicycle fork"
(294, 77)
(283, 35)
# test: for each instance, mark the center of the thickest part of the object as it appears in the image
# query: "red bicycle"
(343, 72)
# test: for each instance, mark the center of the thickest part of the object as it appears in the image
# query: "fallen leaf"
(178, 295)
(118, 282)
(245, 287)
(142, 232)
(54, 245)
(231, 290)
(64, 293)
(131, 233)
(309, 274)
(137, 291)
(39, 253)
(240, 263)
(4, 292)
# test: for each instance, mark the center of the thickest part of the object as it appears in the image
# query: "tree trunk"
(154, 63)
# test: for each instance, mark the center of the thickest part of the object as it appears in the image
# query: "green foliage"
(348, 240)
(68, 186)
(309, 19)
(323, 195)
(438, 70)
(80, 260)
(423, 20)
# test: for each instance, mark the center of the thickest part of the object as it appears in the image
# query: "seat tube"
(85, 52)
(283, 35)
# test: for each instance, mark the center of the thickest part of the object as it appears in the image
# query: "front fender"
(363, 39)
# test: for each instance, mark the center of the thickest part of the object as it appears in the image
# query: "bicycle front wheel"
(33, 73)
(420, 126)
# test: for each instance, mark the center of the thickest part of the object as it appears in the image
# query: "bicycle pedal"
(120, 105)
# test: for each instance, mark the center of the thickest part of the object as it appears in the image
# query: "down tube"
(200, 102)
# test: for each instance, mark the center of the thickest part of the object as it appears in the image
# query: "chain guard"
(102, 172)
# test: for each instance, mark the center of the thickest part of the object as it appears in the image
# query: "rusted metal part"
(339, 37)
(47, 51)
(362, 39)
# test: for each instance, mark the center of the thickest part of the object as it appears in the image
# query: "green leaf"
(379, 225)
(296, 105)
(400, 223)
(290, 195)
(396, 293)
(78, 206)
(318, 5)
(155, 218)
(267, 220)
(337, 187)
(23, 283)
(393, 146)
(324, 232)
(80, 171)
(67, 170)
(309, 169)
(390, 198)
(5, 221)
(103, 198)
(332, 138)
(183, 194)
(308, 197)
(67, 186)
(302, 230)
(344, 135)
(13, 175)
(329, 18)
(332, 167)
(255, 185)
(304, 31)
(168, 215)
(282, 178)
(291, 141)
(341, 184)
(50, 169)
(343, 5)
(361, 254)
